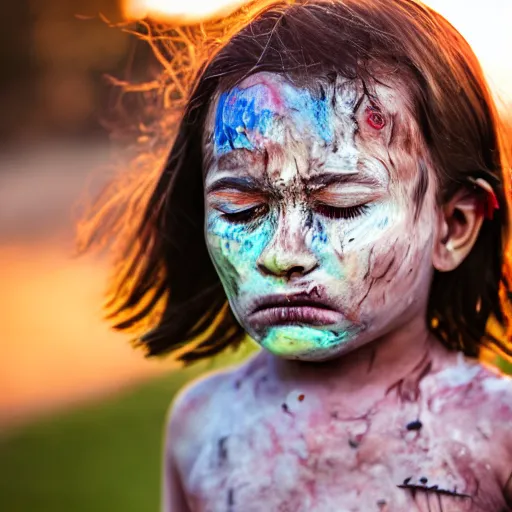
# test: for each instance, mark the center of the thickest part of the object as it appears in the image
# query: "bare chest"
(309, 453)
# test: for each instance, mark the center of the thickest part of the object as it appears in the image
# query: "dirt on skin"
(256, 439)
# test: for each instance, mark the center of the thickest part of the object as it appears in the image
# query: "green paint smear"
(298, 340)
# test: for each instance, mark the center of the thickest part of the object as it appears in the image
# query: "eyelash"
(331, 212)
(348, 213)
(247, 215)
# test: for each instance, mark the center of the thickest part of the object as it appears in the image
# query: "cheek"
(393, 273)
(351, 242)
(379, 260)
(325, 243)
(234, 249)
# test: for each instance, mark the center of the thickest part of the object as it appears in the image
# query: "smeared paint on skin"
(300, 444)
(239, 255)
(420, 187)
(236, 115)
(301, 341)
(325, 202)
(245, 115)
(411, 427)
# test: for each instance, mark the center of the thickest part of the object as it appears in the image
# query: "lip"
(292, 310)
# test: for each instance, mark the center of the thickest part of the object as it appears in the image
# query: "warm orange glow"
(486, 27)
(180, 11)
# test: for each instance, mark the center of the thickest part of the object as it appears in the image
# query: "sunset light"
(485, 26)
(182, 12)
(239, 237)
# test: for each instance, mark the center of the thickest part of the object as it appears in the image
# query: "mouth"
(293, 310)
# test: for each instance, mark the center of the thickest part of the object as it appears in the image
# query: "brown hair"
(165, 284)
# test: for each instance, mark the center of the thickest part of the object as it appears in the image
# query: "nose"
(287, 254)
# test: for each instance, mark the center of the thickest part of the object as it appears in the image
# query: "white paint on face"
(310, 195)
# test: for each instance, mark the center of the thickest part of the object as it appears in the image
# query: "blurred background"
(81, 412)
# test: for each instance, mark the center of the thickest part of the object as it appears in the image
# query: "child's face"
(320, 212)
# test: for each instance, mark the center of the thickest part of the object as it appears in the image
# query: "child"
(339, 177)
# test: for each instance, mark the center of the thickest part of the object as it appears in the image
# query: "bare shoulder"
(496, 415)
(475, 402)
(198, 410)
(495, 389)
(469, 385)
(192, 411)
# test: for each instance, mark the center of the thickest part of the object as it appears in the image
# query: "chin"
(307, 343)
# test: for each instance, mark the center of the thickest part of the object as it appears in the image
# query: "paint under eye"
(375, 118)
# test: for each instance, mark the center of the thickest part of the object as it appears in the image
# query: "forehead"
(317, 121)
(272, 93)
(262, 105)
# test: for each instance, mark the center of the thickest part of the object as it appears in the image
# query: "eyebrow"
(250, 185)
(330, 178)
(242, 184)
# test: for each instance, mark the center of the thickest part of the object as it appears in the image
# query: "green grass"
(98, 458)
(505, 365)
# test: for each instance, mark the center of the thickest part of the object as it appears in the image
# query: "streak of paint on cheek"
(324, 239)
(235, 247)
(383, 223)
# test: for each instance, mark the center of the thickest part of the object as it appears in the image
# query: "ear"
(459, 223)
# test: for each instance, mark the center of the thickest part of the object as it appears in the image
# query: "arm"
(502, 434)
(507, 491)
(173, 495)
(185, 429)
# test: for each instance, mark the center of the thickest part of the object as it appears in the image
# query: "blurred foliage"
(54, 57)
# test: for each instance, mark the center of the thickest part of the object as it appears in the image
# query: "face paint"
(310, 217)
(249, 112)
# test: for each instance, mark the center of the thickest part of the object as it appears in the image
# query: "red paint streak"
(273, 95)
(374, 118)
(274, 439)
(491, 204)
(310, 486)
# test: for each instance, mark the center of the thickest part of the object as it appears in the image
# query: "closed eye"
(336, 212)
(238, 206)
(245, 215)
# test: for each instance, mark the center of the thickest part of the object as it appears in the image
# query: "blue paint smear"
(314, 111)
(240, 111)
(236, 114)
(383, 223)
(319, 234)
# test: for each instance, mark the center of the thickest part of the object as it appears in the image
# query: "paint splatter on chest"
(304, 452)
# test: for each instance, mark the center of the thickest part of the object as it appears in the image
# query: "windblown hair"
(165, 287)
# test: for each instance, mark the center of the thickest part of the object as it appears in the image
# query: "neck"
(401, 357)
